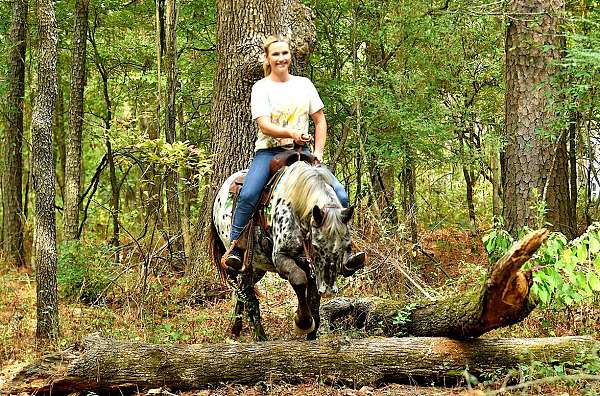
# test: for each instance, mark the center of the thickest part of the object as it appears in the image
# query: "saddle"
(276, 167)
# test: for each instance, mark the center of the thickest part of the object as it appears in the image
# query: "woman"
(281, 104)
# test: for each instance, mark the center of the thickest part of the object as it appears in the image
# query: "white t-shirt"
(287, 104)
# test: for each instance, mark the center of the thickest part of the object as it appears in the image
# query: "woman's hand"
(299, 137)
(319, 156)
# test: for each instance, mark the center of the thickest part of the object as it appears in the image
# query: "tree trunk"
(242, 25)
(108, 365)
(189, 186)
(12, 177)
(155, 187)
(502, 300)
(572, 134)
(44, 239)
(411, 209)
(73, 141)
(496, 193)
(172, 179)
(114, 199)
(532, 161)
(557, 191)
(59, 135)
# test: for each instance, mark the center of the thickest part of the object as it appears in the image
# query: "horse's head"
(331, 244)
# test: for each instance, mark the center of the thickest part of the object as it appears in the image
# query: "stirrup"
(231, 260)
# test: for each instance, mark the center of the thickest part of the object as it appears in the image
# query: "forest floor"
(165, 313)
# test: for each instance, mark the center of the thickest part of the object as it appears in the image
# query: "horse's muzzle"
(326, 290)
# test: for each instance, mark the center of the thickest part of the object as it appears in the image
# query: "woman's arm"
(270, 129)
(320, 133)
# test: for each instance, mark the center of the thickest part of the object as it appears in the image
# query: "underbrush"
(124, 297)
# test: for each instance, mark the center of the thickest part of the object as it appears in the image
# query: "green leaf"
(582, 253)
(597, 263)
(543, 294)
(594, 244)
(594, 281)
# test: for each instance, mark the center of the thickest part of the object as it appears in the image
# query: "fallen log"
(502, 300)
(102, 365)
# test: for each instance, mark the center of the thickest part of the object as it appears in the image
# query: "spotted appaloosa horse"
(309, 245)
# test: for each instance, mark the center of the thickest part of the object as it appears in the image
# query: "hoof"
(300, 331)
(355, 262)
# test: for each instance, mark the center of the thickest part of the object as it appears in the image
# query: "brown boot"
(232, 259)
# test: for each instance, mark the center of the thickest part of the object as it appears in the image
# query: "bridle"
(307, 239)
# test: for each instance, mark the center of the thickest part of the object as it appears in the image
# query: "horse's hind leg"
(252, 304)
(314, 302)
(238, 314)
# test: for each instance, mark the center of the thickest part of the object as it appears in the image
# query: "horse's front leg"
(289, 270)
(314, 302)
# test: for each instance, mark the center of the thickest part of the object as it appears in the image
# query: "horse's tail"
(216, 250)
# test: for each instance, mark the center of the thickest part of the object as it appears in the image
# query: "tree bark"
(496, 193)
(172, 180)
(572, 135)
(12, 177)
(44, 240)
(532, 161)
(242, 26)
(502, 300)
(73, 141)
(104, 364)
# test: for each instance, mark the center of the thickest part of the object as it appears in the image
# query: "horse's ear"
(347, 214)
(318, 216)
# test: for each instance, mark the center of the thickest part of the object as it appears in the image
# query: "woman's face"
(279, 57)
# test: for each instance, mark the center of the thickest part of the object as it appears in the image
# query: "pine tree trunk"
(44, 240)
(531, 161)
(172, 179)
(242, 25)
(12, 177)
(73, 141)
(496, 193)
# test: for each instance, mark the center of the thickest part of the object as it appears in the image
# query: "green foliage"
(564, 273)
(584, 364)
(496, 243)
(403, 316)
(168, 334)
(567, 274)
(84, 271)
(179, 155)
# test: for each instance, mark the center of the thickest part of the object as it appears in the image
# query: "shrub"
(84, 271)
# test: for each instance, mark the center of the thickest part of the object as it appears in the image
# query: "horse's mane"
(305, 186)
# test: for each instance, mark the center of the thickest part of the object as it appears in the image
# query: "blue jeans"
(256, 179)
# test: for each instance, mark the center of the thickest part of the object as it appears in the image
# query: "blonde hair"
(266, 44)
